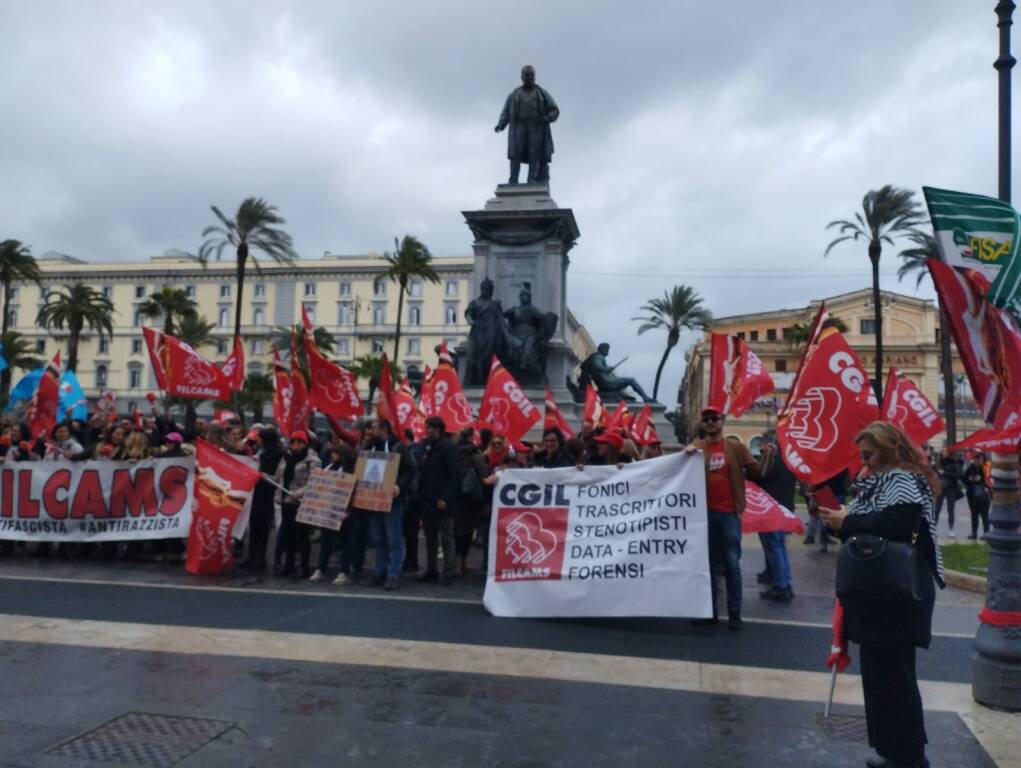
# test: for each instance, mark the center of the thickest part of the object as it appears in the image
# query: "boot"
(734, 623)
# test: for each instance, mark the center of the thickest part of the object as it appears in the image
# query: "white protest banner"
(601, 541)
(325, 499)
(96, 500)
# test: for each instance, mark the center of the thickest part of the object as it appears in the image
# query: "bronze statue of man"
(487, 335)
(528, 112)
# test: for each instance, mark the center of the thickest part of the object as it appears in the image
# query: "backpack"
(471, 486)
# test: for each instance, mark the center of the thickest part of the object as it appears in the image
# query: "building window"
(104, 346)
(415, 316)
(938, 338)
(378, 315)
(40, 346)
(139, 291)
(258, 316)
(377, 345)
(224, 317)
(740, 334)
(345, 315)
(221, 347)
(753, 336)
(780, 366)
(343, 346)
(415, 288)
(138, 318)
(260, 290)
(345, 288)
(224, 291)
(786, 333)
(107, 291)
(189, 291)
(13, 295)
(310, 290)
(771, 334)
(867, 326)
(450, 314)
(379, 287)
(414, 346)
(100, 376)
(256, 346)
(136, 346)
(451, 288)
(134, 378)
(310, 310)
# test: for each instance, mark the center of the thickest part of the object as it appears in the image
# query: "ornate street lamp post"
(997, 663)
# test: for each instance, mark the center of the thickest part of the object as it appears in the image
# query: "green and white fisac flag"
(980, 233)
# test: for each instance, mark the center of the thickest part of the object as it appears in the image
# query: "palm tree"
(195, 331)
(16, 264)
(798, 333)
(167, 303)
(410, 259)
(679, 308)
(913, 262)
(370, 367)
(889, 212)
(19, 352)
(286, 336)
(79, 307)
(253, 229)
(257, 390)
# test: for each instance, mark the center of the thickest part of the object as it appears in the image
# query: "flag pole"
(833, 688)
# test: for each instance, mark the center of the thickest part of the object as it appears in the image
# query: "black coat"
(439, 474)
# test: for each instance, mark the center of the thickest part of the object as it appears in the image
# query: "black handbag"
(873, 568)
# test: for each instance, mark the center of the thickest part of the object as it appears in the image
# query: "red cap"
(610, 438)
(303, 436)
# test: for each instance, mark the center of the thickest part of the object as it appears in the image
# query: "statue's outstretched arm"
(504, 115)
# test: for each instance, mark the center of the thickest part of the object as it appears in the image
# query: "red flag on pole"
(620, 419)
(301, 405)
(182, 371)
(42, 409)
(906, 406)
(386, 407)
(334, 389)
(554, 418)
(234, 366)
(831, 402)
(839, 656)
(737, 378)
(990, 440)
(813, 336)
(644, 430)
(281, 394)
(764, 514)
(594, 411)
(446, 397)
(306, 323)
(409, 415)
(223, 485)
(425, 393)
(987, 340)
(505, 409)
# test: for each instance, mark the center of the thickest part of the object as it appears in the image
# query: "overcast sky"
(705, 143)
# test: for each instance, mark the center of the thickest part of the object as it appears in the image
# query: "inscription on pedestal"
(512, 272)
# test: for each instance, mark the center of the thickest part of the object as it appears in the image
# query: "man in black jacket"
(439, 482)
(387, 528)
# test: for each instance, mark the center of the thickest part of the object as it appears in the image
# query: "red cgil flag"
(181, 371)
(223, 486)
(990, 440)
(425, 393)
(446, 397)
(281, 394)
(987, 340)
(906, 406)
(301, 405)
(644, 430)
(386, 407)
(409, 415)
(839, 655)
(234, 366)
(830, 403)
(306, 323)
(764, 514)
(505, 409)
(737, 378)
(334, 389)
(595, 411)
(620, 419)
(42, 409)
(554, 418)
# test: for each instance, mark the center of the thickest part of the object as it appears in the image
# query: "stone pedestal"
(522, 235)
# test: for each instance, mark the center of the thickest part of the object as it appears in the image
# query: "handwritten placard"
(326, 499)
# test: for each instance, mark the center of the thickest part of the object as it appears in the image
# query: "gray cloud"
(692, 139)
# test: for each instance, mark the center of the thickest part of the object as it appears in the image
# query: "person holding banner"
(895, 502)
(260, 522)
(727, 464)
(293, 537)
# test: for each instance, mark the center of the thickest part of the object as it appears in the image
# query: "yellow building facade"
(911, 344)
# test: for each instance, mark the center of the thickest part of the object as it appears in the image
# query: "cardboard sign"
(326, 498)
(376, 472)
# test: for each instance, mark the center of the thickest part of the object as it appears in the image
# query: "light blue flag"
(25, 388)
(72, 396)
(3, 363)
